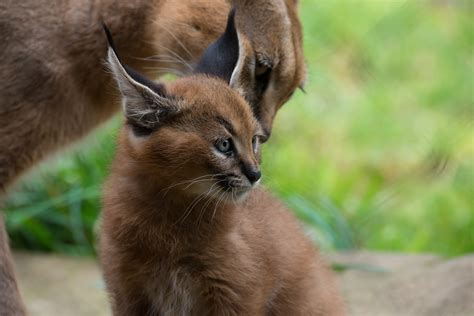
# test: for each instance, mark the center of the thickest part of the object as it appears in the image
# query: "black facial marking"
(220, 57)
(227, 181)
(140, 131)
(263, 71)
(261, 82)
(227, 125)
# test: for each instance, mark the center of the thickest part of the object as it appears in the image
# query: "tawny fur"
(54, 90)
(162, 255)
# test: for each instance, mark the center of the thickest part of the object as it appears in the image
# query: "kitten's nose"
(253, 174)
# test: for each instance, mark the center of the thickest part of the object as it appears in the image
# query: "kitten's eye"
(224, 145)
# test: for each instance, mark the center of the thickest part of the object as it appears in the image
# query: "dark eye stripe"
(227, 125)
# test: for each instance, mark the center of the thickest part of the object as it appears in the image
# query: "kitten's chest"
(176, 279)
(171, 289)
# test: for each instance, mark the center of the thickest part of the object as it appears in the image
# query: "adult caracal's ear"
(145, 103)
(220, 58)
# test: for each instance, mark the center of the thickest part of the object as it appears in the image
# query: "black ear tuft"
(135, 75)
(110, 40)
(145, 103)
(221, 57)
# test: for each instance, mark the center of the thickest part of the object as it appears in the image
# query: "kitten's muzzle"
(235, 182)
(240, 183)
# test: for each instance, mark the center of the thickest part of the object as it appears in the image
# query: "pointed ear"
(145, 103)
(220, 58)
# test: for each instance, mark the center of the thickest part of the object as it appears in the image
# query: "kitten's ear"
(145, 103)
(220, 58)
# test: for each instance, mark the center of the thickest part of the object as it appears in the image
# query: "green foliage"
(57, 208)
(378, 154)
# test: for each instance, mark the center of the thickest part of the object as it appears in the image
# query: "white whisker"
(178, 41)
(204, 207)
(177, 56)
(191, 182)
(221, 198)
(198, 199)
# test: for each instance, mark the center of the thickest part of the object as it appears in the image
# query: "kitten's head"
(195, 134)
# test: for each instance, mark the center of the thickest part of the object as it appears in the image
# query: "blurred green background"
(378, 154)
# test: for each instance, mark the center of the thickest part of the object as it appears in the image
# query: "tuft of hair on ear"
(220, 58)
(145, 103)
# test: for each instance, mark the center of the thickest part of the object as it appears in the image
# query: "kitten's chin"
(234, 196)
(237, 195)
(222, 194)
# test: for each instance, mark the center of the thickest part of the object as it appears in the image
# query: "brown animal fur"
(183, 233)
(54, 90)
(163, 255)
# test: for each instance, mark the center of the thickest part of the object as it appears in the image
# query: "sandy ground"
(372, 283)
